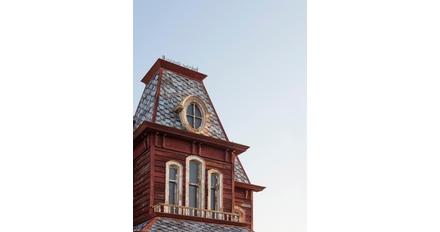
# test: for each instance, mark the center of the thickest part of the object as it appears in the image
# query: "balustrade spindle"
(195, 212)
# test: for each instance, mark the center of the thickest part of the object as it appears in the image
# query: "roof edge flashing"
(170, 66)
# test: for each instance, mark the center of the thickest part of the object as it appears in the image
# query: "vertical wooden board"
(141, 179)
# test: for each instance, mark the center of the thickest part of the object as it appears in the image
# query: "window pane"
(190, 110)
(173, 173)
(193, 172)
(193, 196)
(213, 200)
(197, 111)
(197, 122)
(172, 194)
(190, 120)
(214, 181)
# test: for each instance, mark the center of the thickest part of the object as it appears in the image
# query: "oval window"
(194, 115)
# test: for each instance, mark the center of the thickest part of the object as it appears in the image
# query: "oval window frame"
(182, 109)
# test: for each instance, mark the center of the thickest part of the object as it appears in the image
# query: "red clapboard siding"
(244, 202)
(149, 171)
(141, 191)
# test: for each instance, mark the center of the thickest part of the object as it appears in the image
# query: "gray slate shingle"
(174, 88)
(170, 224)
(240, 174)
(144, 112)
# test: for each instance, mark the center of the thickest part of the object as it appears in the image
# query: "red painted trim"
(160, 63)
(233, 177)
(252, 211)
(149, 127)
(151, 73)
(156, 97)
(252, 187)
(152, 167)
(215, 112)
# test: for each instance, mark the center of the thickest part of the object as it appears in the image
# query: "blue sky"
(254, 53)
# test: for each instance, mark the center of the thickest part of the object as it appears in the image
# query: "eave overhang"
(154, 127)
(255, 188)
(161, 63)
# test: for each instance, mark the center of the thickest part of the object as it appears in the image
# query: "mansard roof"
(161, 224)
(166, 89)
(166, 85)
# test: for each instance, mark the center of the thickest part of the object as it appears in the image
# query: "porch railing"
(195, 212)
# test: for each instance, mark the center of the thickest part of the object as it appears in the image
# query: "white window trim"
(220, 175)
(201, 197)
(241, 213)
(179, 181)
(182, 108)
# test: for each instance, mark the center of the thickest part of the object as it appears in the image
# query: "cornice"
(154, 127)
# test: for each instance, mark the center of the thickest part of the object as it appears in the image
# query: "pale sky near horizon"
(254, 53)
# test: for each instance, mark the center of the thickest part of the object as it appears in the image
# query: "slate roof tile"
(240, 174)
(174, 88)
(144, 111)
(169, 224)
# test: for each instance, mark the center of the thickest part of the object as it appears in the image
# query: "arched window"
(173, 186)
(195, 182)
(238, 210)
(215, 190)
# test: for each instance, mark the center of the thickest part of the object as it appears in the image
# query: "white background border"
(373, 116)
(66, 115)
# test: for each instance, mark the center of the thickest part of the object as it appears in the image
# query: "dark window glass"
(194, 179)
(193, 196)
(190, 120)
(194, 172)
(214, 178)
(194, 115)
(173, 173)
(173, 194)
(197, 122)
(197, 112)
(190, 110)
(214, 191)
(213, 201)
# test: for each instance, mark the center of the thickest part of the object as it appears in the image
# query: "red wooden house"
(187, 175)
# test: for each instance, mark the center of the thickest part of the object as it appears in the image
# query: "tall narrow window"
(215, 185)
(214, 191)
(195, 171)
(173, 184)
(194, 183)
(173, 195)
